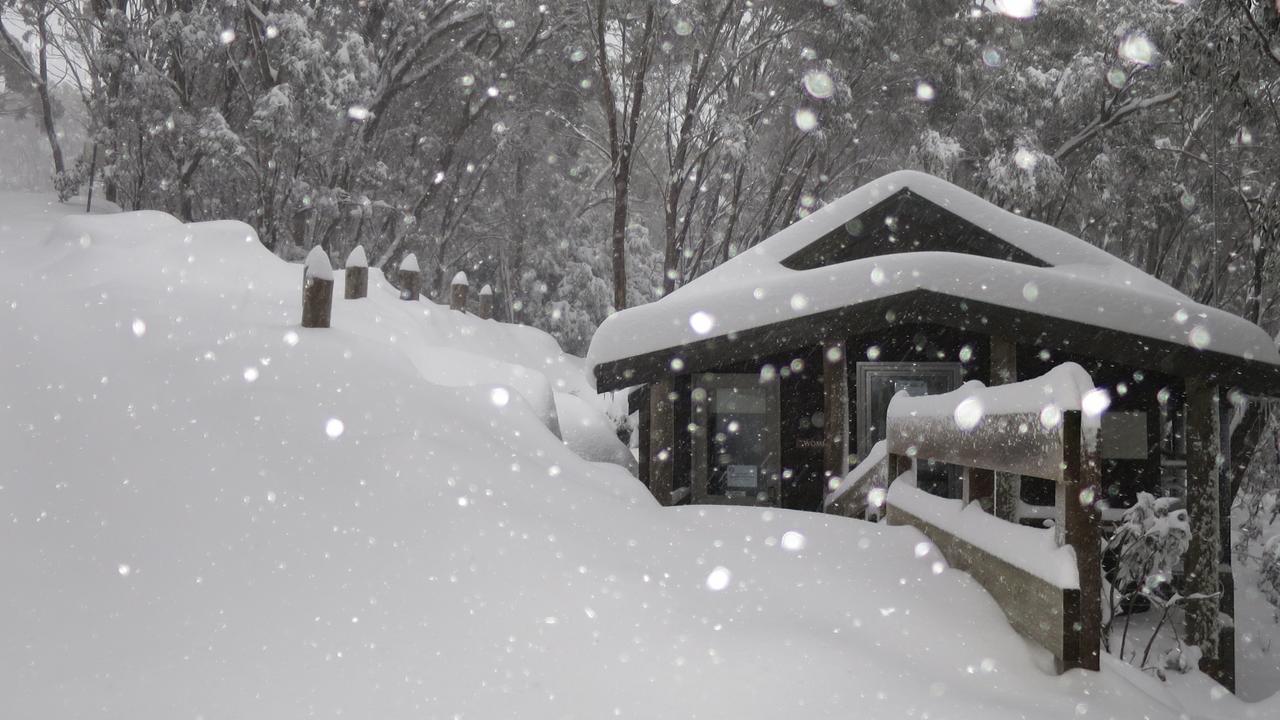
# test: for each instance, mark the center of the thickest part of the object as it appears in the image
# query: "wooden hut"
(765, 379)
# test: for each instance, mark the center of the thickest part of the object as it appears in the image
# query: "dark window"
(905, 222)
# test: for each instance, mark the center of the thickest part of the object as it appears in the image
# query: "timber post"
(317, 289)
(898, 464)
(458, 292)
(1203, 508)
(355, 283)
(835, 412)
(662, 439)
(1007, 486)
(409, 278)
(485, 311)
(1077, 527)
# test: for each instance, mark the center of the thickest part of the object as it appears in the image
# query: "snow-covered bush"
(1269, 573)
(1147, 547)
(1150, 541)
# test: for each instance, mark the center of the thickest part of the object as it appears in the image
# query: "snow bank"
(207, 511)
(409, 263)
(1030, 549)
(1085, 284)
(590, 435)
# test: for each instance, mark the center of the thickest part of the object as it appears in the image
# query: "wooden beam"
(662, 437)
(638, 402)
(835, 412)
(1077, 526)
(1203, 553)
(1004, 369)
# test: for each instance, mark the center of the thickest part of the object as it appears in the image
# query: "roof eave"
(1176, 359)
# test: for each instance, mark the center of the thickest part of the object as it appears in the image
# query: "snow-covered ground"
(206, 511)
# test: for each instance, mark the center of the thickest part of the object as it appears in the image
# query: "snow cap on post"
(357, 258)
(486, 303)
(458, 292)
(318, 266)
(409, 278)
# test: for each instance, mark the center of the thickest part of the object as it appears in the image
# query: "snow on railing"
(1016, 428)
(1050, 589)
(861, 493)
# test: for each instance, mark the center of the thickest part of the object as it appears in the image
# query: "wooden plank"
(1201, 561)
(1034, 607)
(835, 412)
(662, 437)
(1004, 369)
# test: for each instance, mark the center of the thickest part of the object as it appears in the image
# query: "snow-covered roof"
(1079, 283)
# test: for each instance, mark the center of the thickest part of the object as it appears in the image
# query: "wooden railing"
(1062, 616)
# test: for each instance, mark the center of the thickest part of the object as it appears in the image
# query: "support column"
(1204, 551)
(1004, 369)
(1077, 526)
(835, 413)
(662, 436)
(640, 399)
(1225, 672)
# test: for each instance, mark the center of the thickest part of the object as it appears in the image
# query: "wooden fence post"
(897, 465)
(355, 283)
(458, 292)
(486, 303)
(662, 439)
(1203, 508)
(835, 412)
(409, 277)
(1077, 526)
(317, 289)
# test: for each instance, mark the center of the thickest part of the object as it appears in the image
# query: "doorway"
(877, 383)
(734, 433)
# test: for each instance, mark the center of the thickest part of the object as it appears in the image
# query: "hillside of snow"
(207, 511)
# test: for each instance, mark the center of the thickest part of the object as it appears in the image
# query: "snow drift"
(206, 511)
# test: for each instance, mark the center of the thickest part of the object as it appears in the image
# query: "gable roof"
(1011, 262)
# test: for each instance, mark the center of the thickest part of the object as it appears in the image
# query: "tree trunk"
(46, 103)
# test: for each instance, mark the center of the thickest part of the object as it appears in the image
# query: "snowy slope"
(206, 511)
